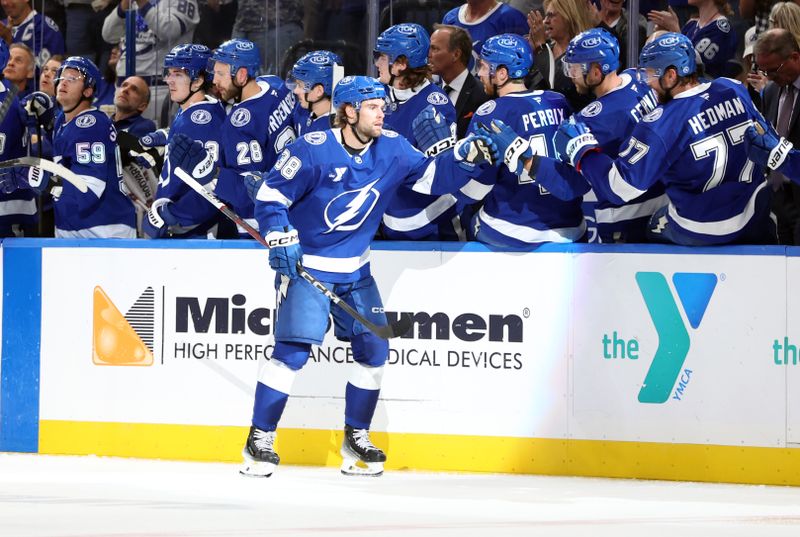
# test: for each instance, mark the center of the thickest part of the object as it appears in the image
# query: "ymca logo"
(348, 210)
(119, 339)
(694, 290)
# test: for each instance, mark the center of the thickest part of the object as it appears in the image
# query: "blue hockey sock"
(359, 406)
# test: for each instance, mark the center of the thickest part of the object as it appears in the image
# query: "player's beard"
(370, 133)
(231, 94)
(664, 97)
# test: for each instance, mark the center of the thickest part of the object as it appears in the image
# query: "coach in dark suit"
(778, 57)
(451, 49)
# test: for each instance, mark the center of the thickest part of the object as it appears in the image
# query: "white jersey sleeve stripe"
(268, 194)
(620, 187)
(631, 211)
(532, 235)
(476, 190)
(422, 218)
(97, 186)
(719, 227)
(424, 183)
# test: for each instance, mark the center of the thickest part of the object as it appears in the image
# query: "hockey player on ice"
(85, 142)
(312, 79)
(321, 204)
(178, 211)
(694, 144)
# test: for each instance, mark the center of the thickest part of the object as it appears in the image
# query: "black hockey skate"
(357, 448)
(259, 455)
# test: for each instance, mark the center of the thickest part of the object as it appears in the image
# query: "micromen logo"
(694, 290)
(123, 339)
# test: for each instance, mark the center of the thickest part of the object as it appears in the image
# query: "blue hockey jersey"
(87, 145)
(502, 19)
(18, 207)
(715, 42)
(41, 34)
(201, 121)
(255, 132)
(611, 119)
(335, 200)
(305, 122)
(516, 212)
(694, 145)
(412, 215)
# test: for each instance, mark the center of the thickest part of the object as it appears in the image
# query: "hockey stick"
(48, 166)
(392, 330)
(11, 92)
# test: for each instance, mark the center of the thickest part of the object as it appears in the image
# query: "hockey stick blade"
(48, 166)
(392, 330)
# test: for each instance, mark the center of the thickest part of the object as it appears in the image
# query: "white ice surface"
(50, 496)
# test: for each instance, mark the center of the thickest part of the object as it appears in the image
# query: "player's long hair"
(414, 76)
(786, 15)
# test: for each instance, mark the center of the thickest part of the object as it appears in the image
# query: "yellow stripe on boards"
(451, 453)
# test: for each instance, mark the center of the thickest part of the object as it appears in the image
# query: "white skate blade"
(254, 468)
(356, 467)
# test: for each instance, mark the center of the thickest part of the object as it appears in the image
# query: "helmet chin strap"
(192, 92)
(83, 98)
(354, 130)
(593, 86)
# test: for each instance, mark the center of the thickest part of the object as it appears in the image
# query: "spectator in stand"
(449, 55)
(106, 86)
(47, 79)
(550, 34)
(159, 26)
(710, 33)
(759, 10)
(85, 24)
(786, 15)
(130, 102)
(19, 70)
(778, 56)
(216, 22)
(25, 25)
(484, 19)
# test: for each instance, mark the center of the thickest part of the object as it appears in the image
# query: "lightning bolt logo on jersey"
(336, 200)
(357, 206)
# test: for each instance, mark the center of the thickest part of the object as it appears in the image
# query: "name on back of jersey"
(714, 114)
(283, 111)
(538, 119)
